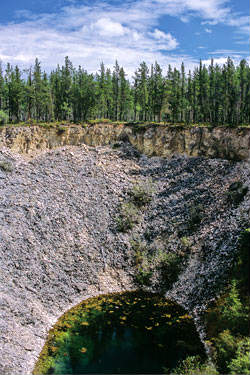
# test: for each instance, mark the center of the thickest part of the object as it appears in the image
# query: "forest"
(214, 94)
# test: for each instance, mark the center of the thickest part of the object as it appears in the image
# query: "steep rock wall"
(154, 140)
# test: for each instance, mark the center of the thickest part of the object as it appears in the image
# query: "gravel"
(59, 241)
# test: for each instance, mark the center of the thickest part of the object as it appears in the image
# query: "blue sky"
(132, 31)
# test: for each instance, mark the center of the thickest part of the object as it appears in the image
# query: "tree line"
(211, 94)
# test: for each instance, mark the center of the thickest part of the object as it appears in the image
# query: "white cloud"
(109, 28)
(209, 31)
(170, 42)
(228, 52)
(129, 32)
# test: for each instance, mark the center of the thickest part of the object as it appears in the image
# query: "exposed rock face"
(59, 242)
(225, 143)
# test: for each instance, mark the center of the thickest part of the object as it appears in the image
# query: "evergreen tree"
(216, 95)
(116, 90)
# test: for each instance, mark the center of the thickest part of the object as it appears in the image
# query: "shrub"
(46, 125)
(185, 241)
(143, 277)
(169, 265)
(141, 194)
(61, 130)
(4, 118)
(99, 121)
(129, 216)
(227, 319)
(6, 166)
(195, 216)
(140, 251)
(193, 366)
(241, 363)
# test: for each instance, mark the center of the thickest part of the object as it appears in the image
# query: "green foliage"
(129, 216)
(61, 130)
(195, 216)
(208, 96)
(100, 121)
(241, 363)
(4, 118)
(166, 265)
(169, 265)
(227, 319)
(141, 194)
(46, 125)
(6, 166)
(185, 241)
(193, 365)
(130, 211)
(143, 277)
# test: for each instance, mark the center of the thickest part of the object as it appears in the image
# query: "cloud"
(109, 28)
(209, 31)
(167, 38)
(228, 52)
(129, 32)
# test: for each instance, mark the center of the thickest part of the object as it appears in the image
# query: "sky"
(131, 31)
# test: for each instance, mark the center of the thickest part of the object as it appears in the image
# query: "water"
(133, 332)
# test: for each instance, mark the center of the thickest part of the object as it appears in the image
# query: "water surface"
(132, 332)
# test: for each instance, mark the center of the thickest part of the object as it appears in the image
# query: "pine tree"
(116, 90)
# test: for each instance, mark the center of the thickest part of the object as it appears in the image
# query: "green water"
(133, 332)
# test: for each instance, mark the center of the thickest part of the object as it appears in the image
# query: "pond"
(132, 332)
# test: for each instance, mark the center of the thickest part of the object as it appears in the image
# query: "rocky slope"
(59, 237)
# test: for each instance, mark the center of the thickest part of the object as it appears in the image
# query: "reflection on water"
(132, 332)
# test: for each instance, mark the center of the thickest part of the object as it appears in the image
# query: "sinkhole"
(132, 332)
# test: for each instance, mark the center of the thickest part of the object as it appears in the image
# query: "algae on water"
(132, 332)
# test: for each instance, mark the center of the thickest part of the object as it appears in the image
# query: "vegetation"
(6, 166)
(193, 365)
(227, 319)
(128, 217)
(130, 211)
(4, 118)
(141, 194)
(195, 216)
(166, 265)
(208, 95)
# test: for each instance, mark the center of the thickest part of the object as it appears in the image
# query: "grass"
(137, 125)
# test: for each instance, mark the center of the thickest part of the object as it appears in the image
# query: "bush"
(4, 118)
(141, 194)
(143, 277)
(61, 130)
(195, 216)
(185, 241)
(170, 266)
(46, 125)
(129, 216)
(241, 363)
(227, 319)
(193, 366)
(6, 166)
(100, 121)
